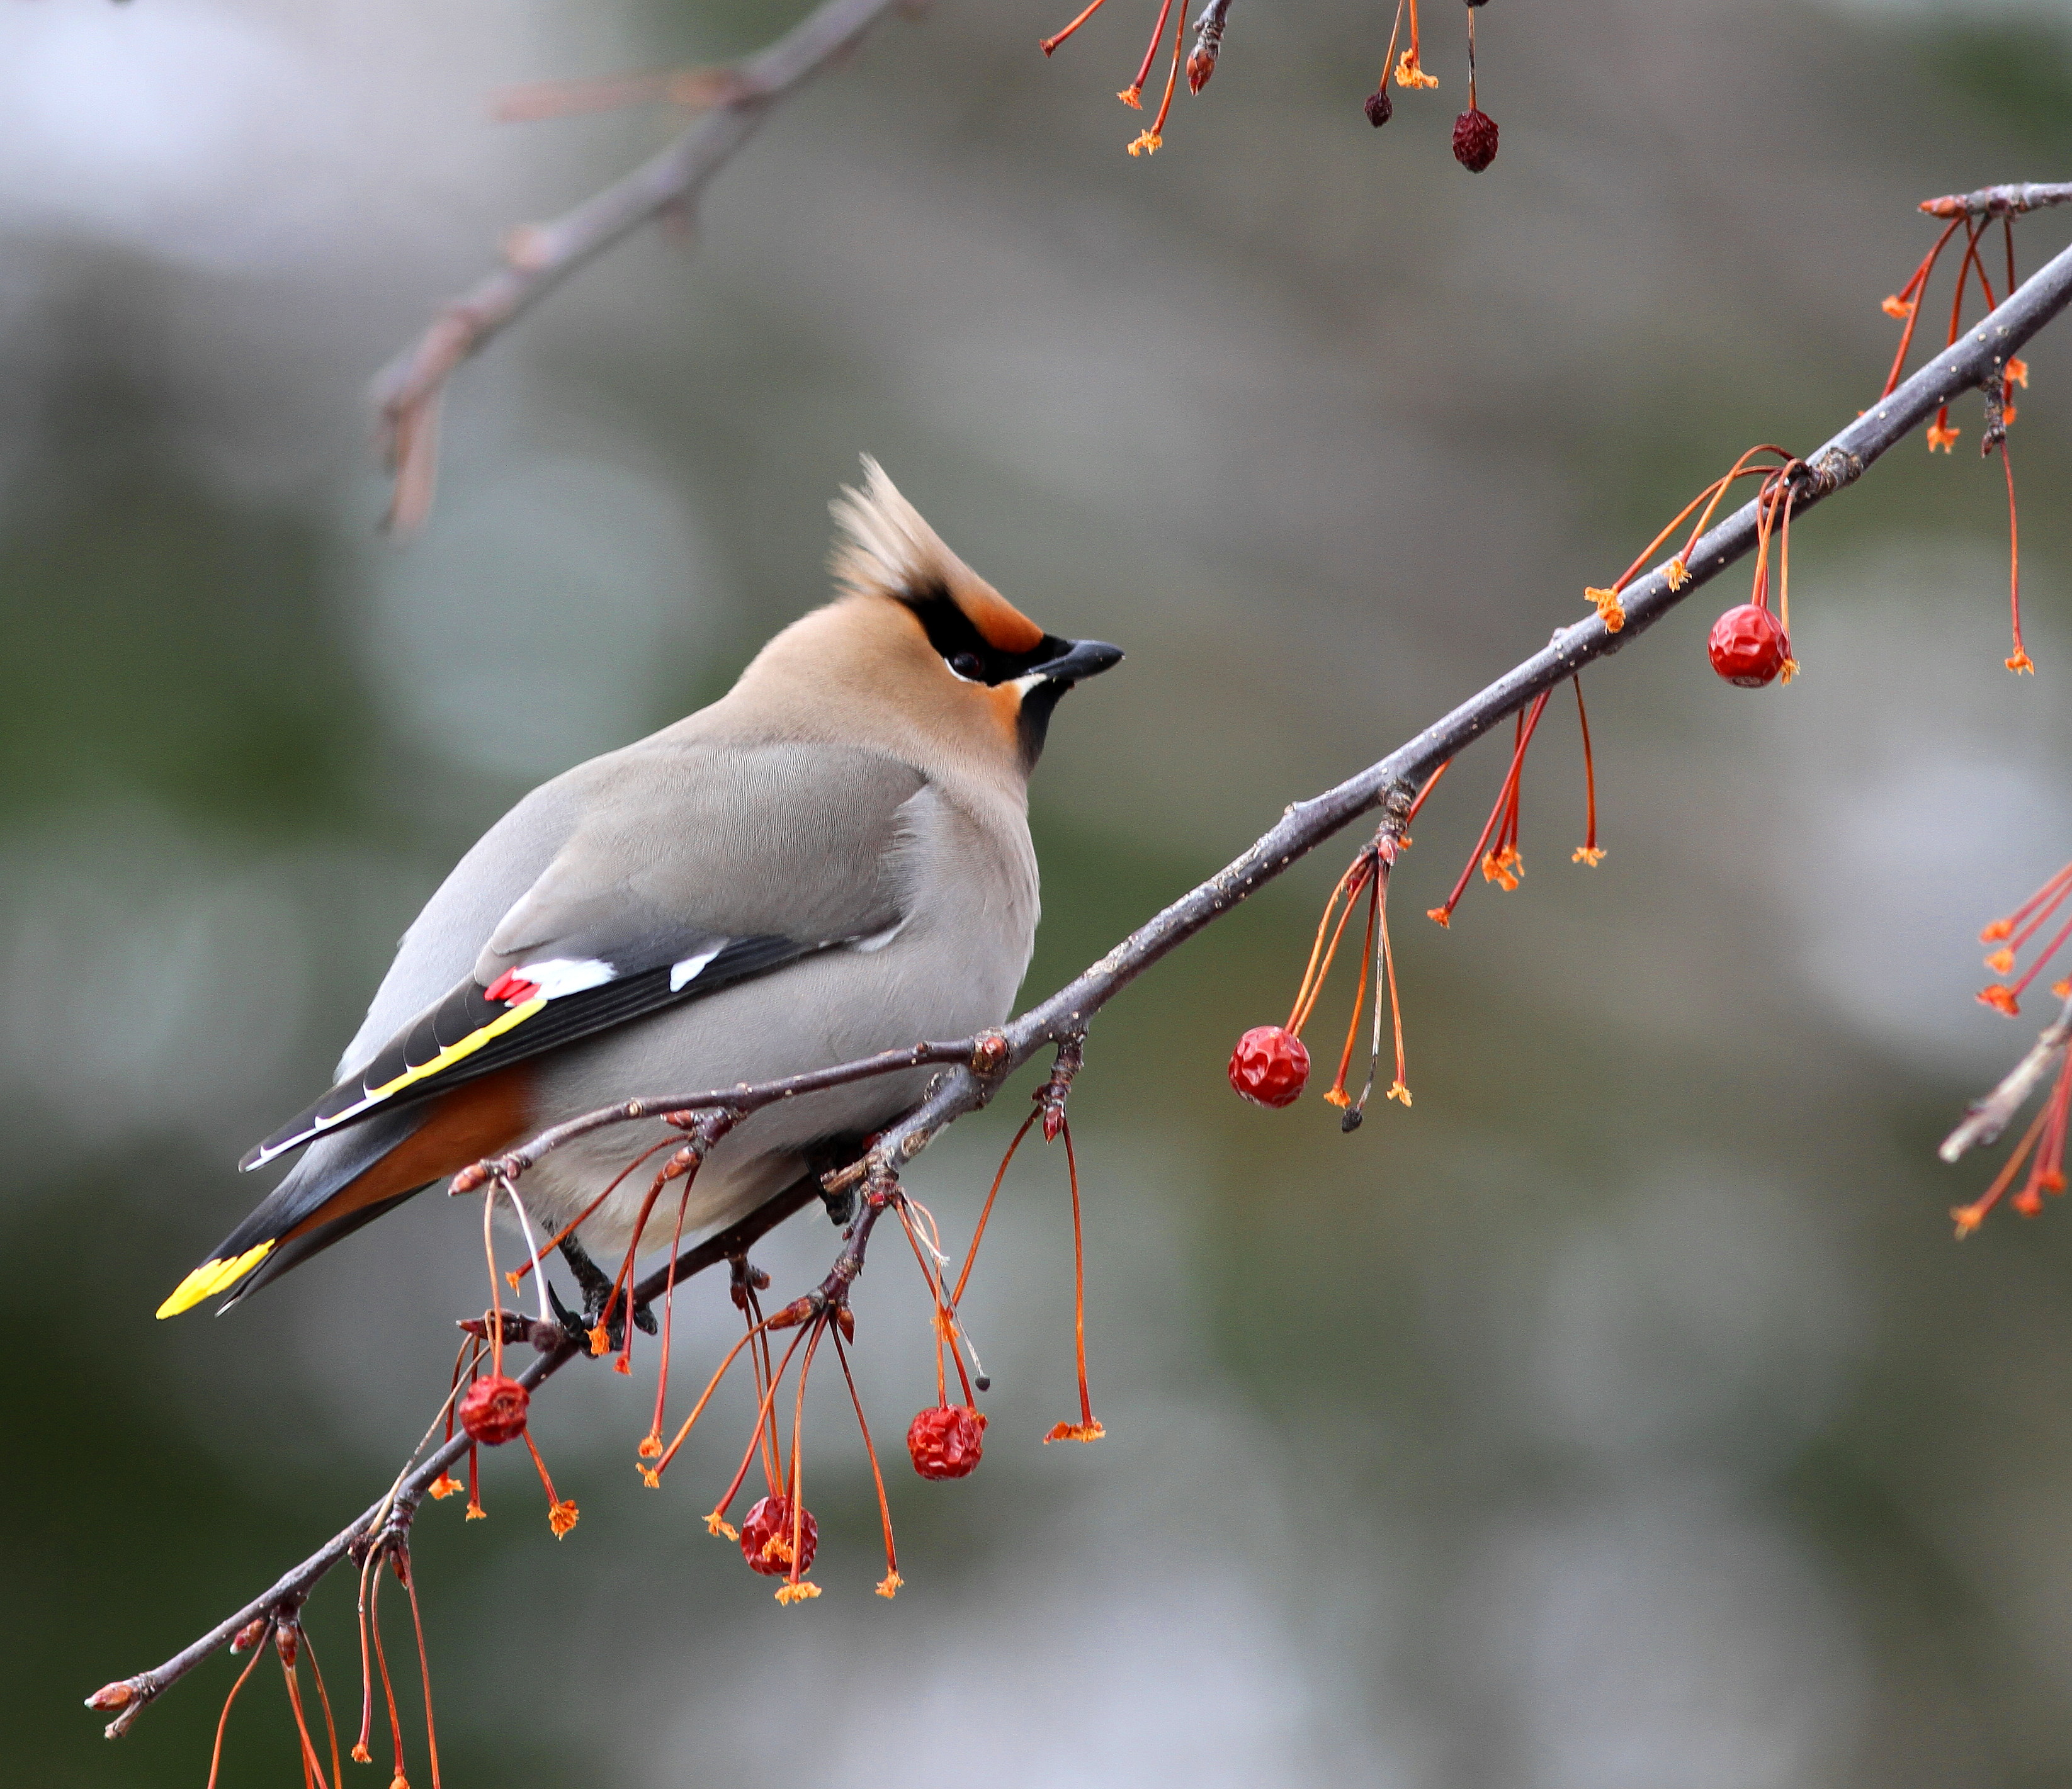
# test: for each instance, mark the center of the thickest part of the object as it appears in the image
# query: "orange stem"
(223, 1720)
(1150, 55)
(1049, 43)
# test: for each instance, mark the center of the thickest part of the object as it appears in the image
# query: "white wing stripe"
(689, 968)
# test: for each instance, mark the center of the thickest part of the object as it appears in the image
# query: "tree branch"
(1984, 1119)
(978, 1065)
(2011, 201)
(539, 257)
(130, 1695)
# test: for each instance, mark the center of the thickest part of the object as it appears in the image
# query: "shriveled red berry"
(1381, 107)
(492, 1410)
(946, 1442)
(1475, 139)
(766, 1538)
(1270, 1065)
(1747, 646)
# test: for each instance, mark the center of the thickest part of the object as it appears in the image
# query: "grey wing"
(680, 870)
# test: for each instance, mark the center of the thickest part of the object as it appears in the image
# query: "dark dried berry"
(1475, 139)
(766, 1538)
(492, 1410)
(1381, 107)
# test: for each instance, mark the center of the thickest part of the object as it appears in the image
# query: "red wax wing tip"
(1270, 1066)
(947, 1441)
(1747, 647)
(1474, 140)
(492, 1410)
(766, 1538)
(512, 988)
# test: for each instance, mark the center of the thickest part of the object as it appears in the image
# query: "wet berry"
(946, 1442)
(492, 1410)
(1475, 139)
(1269, 1066)
(1747, 646)
(766, 1538)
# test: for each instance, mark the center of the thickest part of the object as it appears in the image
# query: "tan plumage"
(832, 860)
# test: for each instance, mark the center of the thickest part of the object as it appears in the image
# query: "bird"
(832, 860)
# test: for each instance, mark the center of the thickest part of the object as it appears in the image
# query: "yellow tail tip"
(211, 1278)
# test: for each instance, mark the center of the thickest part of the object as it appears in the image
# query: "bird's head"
(918, 643)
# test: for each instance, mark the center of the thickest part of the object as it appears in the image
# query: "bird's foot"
(596, 1285)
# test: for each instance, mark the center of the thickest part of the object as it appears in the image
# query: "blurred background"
(1622, 1415)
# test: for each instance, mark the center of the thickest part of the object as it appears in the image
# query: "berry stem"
(985, 1212)
(1388, 62)
(705, 1398)
(223, 1720)
(1336, 1096)
(1589, 854)
(1431, 783)
(668, 1318)
(2019, 659)
(1910, 294)
(1049, 43)
(1349, 885)
(1092, 1430)
(324, 1696)
(1133, 95)
(891, 1580)
(424, 1662)
(589, 1211)
(1172, 77)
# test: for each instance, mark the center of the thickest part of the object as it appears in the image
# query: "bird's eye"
(968, 666)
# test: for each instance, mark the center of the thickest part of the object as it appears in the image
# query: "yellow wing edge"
(374, 1095)
(212, 1276)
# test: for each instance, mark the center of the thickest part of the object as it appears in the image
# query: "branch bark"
(539, 257)
(1986, 1118)
(2010, 201)
(978, 1065)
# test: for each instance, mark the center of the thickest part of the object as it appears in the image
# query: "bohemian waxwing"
(832, 860)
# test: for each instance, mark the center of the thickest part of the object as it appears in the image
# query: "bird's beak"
(1080, 660)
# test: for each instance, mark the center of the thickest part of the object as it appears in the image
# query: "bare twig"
(539, 257)
(2010, 201)
(1984, 1119)
(977, 1066)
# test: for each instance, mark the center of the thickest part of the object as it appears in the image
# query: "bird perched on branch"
(832, 860)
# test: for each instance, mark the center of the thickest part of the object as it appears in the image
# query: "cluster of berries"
(1474, 130)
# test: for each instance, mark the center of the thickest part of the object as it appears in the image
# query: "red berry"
(766, 1538)
(492, 1410)
(1475, 139)
(1747, 646)
(1381, 107)
(946, 1442)
(1269, 1066)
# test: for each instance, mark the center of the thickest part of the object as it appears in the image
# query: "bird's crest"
(884, 547)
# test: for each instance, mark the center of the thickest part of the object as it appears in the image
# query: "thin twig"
(978, 1066)
(2010, 201)
(1986, 1118)
(539, 257)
